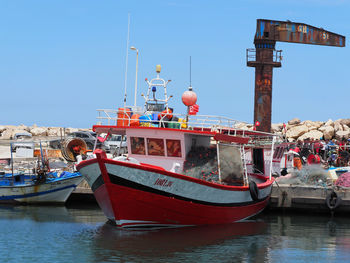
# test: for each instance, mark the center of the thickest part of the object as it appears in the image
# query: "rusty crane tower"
(264, 58)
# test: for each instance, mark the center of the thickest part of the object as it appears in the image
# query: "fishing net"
(231, 166)
(343, 180)
(201, 162)
(309, 175)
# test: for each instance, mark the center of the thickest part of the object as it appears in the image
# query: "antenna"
(190, 87)
(126, 62)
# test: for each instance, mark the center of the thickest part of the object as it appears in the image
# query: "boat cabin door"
(258, 160)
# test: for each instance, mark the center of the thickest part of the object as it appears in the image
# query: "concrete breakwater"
(293, 130)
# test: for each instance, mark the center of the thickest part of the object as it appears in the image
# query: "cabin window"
(137, 145)
(155, 147)
(173, 148)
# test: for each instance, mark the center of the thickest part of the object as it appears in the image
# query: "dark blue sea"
(71, 234)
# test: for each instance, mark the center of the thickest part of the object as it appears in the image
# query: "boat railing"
(211, 123)
(111, 117)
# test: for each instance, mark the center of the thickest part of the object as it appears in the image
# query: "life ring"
(333, 200)
(254, 190)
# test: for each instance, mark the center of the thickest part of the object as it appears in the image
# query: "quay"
(284, 198)
(82, 195)
(313, 199)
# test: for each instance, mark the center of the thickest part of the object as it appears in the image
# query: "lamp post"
(137, 61)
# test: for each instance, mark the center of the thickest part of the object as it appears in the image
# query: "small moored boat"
(54, 188)
(39, 184)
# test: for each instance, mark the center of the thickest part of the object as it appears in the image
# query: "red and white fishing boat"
(194, 170)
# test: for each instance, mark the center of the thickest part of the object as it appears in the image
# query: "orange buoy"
(134, 121)
(166, 114)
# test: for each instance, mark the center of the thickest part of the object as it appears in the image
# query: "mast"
(153, 103)
(126, 61)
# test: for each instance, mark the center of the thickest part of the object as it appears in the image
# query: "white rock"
(23, 127)
(7, 134)
(290, 140)
(338, 126)
(54, 131)
(342, 134)
(319, 123)
(2, 128)
(312, 125)
(297, 131)
(329, 123)
(323, 128)
(345, 122)
(328, 132)
(345, 127)
(39, 131)
(294, 121)
(289, 126)
(314, 134)
(70, 130)
(276, 127)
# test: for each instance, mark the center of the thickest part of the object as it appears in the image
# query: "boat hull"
(134, 195)
(55, 191)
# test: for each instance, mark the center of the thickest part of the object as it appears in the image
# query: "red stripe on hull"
(136, 205)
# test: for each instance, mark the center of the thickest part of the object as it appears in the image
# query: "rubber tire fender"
(254, 190)
(329, 198)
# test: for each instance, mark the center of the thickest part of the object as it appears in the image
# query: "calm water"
(60, 234)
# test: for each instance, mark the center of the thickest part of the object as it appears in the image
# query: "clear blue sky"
(61, 60)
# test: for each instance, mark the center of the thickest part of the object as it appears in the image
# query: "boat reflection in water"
(164, 243)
